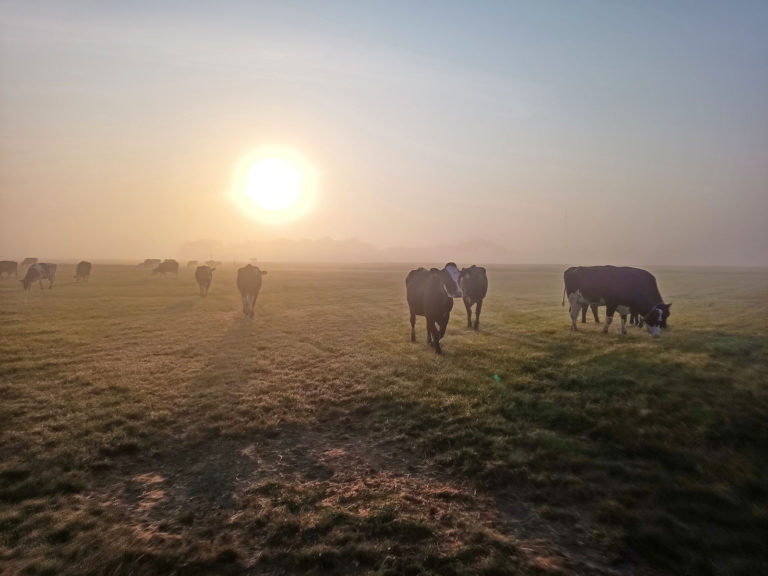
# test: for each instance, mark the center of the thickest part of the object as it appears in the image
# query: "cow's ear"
(212, 269)
(669, 305)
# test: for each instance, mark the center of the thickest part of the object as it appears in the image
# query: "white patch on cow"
(654, 331)
(624, 324)
(574, 300)
(454, 272)
(608, 320)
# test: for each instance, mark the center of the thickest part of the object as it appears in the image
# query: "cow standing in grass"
(622, 288)
(83, 271)
(204, 276)
(473, 282)
(9, 267)
(38, 273)
(169, 266)
(430, 293)
(249, 285)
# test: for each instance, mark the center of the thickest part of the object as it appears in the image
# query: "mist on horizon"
(503, 133)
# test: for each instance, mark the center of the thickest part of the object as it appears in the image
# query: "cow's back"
(249, 279)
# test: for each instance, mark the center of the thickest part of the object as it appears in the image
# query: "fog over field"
(556, 133)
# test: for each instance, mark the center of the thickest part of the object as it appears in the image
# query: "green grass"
(145, 430)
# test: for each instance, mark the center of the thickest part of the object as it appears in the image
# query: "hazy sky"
(567, 132)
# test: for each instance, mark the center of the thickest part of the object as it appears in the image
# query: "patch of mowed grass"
(147, 430)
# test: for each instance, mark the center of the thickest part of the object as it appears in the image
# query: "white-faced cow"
(623, 288)
(430, 293)
(9, 267)
(249, 285)
(204, 276)
(38, 273)
(83, 271)
(473, 282)
(168, 266)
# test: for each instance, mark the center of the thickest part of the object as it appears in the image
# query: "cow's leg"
(468, 306)
(623, 323)
(584, 308)
(245, 304)
(594, 313)
(438, 333)
(413, 327)
(610, 309)
(430, 327)
(443, 324)
(573, 299)
(478, 308)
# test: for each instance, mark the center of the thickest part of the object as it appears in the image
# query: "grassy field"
(145, 430)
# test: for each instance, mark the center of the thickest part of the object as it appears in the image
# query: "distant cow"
(168, 266)
(474, 286)
(191, 263)
(621, 288)
(83, 271)
(150, 262)
(9, 267)
(430, 293)
(27, 262)
(204, 275)
(212, 263)
(249, 285)
(38, 273)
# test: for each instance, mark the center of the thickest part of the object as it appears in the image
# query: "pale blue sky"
(568, 132)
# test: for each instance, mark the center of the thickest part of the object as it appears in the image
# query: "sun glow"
(274, 185)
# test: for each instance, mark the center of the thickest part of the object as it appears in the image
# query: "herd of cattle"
(430, 293)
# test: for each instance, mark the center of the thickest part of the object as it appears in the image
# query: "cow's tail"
(563, 304)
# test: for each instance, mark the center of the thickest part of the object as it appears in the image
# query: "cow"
(167, 266)
(474, 286)
(8, 267)
(621, 288)
(249, 285)
(83, 271)
(192, 264)
(204, 275)
(38, 273)
(430, 293)
(150, 262)
(27, 262)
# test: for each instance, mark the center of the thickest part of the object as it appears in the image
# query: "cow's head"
(450, 274)
(656, 319)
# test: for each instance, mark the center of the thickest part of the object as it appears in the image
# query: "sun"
(274, 185)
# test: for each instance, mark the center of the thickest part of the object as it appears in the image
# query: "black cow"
(249, 285)
(83, 271)
(167, 266)
(38, 273)
(204, 276)
(430, 293)
(621, 288)
(8, 267)
(474, 286)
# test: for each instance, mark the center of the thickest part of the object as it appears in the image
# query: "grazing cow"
(204, 275)
(621, 288)
(167, 266)
(38, 273)
(249, 285)
(191, 263)
(8, 267)
(430, 293)
(474, 286)
(150, 262)
(83, 271)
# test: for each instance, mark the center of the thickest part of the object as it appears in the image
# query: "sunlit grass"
(144, 429)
